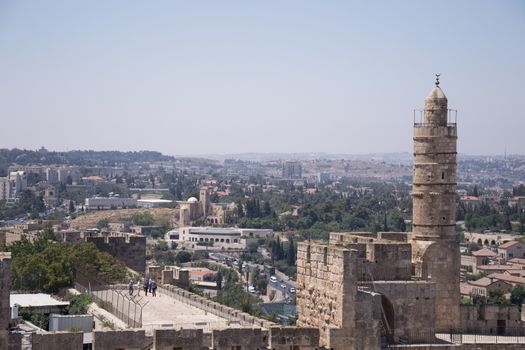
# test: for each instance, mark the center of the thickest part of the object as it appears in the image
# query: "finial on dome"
(437, 79)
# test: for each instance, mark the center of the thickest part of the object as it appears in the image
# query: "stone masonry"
(435, 252)
(326, 292)
(131, 250)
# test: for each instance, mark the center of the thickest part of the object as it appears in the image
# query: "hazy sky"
(196, 77)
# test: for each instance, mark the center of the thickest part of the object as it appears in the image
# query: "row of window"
(221, 240)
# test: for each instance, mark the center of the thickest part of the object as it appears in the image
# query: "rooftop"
(484, 253)
(508, 244)
(35, 300)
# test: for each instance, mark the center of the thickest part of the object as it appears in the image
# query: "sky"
(209, 77)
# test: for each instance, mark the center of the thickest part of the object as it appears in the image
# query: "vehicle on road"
(283, 286)
(273, 279)
(292, 290)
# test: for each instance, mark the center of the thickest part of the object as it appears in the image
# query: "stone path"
(163, 311)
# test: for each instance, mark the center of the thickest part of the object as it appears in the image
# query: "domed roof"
(436, 93)
(193, 200)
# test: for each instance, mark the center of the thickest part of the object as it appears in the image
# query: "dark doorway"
(500, 330)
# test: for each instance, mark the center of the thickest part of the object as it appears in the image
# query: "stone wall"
(483, 319)
(239, 339)
(368, 320)
(439, 262)
(326, 292)
(286, 338)
(410, 308)
(389, 260)
(15, 341)
(394, 236)
(185, 339)
(130, 250)
(128, 340)
(58, 340)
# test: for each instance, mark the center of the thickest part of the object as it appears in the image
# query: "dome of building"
(193, 200)
(436, 93)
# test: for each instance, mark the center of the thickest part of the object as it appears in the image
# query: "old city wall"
(389, 261)
(285, 338)
(483, 319)
(378, 259)
(58, 340)
(241, 318)
(439, 262)
(326, 292)
(185, 339)
(124, 339)
(368, 320)
(232, 338)
(130, 250)
(410, 308)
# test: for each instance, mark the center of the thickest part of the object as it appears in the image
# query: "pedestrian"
(130, 287)
(138, 287)
(154, 288)
(145, 285)
(150, 285)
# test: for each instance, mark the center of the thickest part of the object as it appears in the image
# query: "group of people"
(149, 285)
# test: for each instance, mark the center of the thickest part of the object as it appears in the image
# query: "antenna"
(437, 79)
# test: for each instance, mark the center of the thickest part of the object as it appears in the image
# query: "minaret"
(435, 250)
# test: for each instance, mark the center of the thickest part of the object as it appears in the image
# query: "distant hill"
(83, 158)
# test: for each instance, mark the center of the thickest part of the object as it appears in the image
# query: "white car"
(251, 289)
(292, 290)
(273, 279)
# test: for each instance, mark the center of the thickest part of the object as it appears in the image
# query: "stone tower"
(434, 248)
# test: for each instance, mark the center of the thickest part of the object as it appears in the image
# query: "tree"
(218, 279)
(517, 295)
(291, 252)
(183, 257)
(497, 296)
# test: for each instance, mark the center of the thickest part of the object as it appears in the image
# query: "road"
(282, 286)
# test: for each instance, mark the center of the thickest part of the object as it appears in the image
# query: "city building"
(292, 170)
(212, 238)
(5, 188)
(510, 250)
(203, 209)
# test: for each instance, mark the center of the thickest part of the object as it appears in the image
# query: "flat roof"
(35, 300)
(153, 200)
(214, 232)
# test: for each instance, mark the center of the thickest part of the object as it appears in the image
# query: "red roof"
(508, 244)
(469, 198)
(518, 261)
(484, 252)
(508, 278)
(497, 267)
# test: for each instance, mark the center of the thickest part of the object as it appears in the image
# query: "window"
(443, 176)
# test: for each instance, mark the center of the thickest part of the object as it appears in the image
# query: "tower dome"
(436, 93)
(436, 106)
(193, 200)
